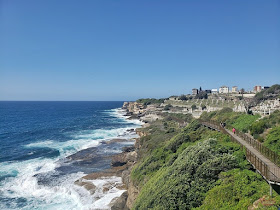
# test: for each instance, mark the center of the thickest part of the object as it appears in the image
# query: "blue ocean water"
(35, 139)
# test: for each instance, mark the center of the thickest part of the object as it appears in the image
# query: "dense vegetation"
(148, 101)
(238, 120)
(265, 129)
(184, 183)
(185, 167)
(236, 189)
(272, 140)
(201, 95)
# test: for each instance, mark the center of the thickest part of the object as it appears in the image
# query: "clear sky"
(124, 50)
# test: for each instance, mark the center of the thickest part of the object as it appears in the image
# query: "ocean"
(36, 139)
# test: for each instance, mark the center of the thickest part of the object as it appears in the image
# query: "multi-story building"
(194, 91)
(234, 89)
(224, 89)
(257, 89)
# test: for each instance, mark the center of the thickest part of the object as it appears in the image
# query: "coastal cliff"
(177, 163)
(180, 164)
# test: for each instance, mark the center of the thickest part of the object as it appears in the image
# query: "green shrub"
(183, 97)
(273, 140)
(147, 101)
(184, 184)
(258, 127)
(167, 107)
(176, 141)
(193, 107)
(236, 189)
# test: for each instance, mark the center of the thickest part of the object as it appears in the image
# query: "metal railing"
(271, 174)
(272, 156)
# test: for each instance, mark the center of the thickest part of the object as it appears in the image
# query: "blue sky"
(124, 50)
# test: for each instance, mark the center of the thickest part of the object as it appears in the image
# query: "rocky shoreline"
(121, 166)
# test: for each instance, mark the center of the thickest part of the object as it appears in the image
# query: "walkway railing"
(271, 174)
(273, 156)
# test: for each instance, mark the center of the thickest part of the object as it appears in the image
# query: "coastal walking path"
(269, 170)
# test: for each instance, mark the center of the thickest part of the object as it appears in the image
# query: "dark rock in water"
(117, 141)
(133, 117)
(120, 202)
(130, 130)
(94, 159)
(128, 149)
(123, 158)
(86, 154)
(119, 160)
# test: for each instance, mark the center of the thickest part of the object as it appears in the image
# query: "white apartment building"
(224, 89)
(234, 89)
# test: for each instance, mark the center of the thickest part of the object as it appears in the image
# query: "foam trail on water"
(65, 148)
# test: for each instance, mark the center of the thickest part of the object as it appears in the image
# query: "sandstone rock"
(263, 201)
(87, 185)
(132, 195)
(128, 149)
(120, 202)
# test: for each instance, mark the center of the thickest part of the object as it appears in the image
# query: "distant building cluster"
(197, 91)
(225, 89)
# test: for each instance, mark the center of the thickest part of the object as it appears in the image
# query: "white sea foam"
(102, 134)
(120, 113)
(63, 194)
(25, 185)
(102, 198)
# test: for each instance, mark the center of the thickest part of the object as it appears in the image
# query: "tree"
(167, 107)
(194, 107)
(183, 98)
(203, 106)
(201, 95)
(242, 91)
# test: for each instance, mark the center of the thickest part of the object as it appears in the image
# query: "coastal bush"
(184, 183)
(158, 147)
(177, 170)
(148, 101)
(203, 106)
(178, 117)
(242, 122)
(201, 95)
(238, 120)
(270, 93)
(257, 127)
(177, 141)
(167, 107)
(267, 122)
(273, 140)
(235, 189)
(183, 98)
(273, 119)
(193, 107)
